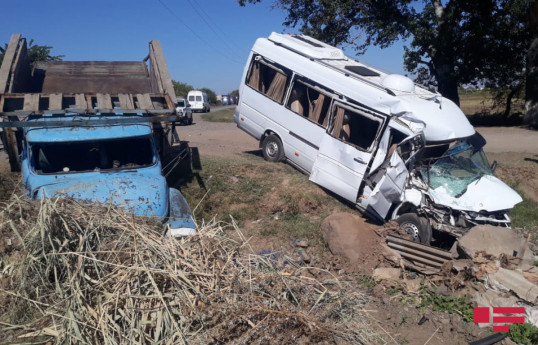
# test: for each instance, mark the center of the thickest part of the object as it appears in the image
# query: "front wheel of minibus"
(418, 227)
(272, 148)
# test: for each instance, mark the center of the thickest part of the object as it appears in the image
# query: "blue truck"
(94, 131)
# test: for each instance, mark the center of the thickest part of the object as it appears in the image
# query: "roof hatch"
(308, 46)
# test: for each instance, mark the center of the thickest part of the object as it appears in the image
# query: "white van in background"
(390, 147)
(198, 101)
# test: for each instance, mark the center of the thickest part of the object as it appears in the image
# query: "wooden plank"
(80, 101)
(162, 69)
(20, 70)
(31, 102)
(144, 101)
(55, 101)
(126, 101)
(9, 56)
(104, 101)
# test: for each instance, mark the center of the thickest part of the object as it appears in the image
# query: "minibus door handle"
(359, 160)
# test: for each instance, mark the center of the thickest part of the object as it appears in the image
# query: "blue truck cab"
(95, 131)
(112, 163)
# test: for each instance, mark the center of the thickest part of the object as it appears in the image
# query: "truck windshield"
(98, 155)
(459, 166)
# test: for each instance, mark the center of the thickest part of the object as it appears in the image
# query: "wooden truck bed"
(85, 87)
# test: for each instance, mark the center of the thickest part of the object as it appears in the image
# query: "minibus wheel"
(272, 148)
(418, 227)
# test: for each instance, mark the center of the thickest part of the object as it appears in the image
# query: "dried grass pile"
(79, 274)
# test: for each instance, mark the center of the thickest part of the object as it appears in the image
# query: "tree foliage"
(211, 96)
(35, 53)
(451, 42)
(181, 89)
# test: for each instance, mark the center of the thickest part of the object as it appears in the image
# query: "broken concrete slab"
(386, 273)
(494, 240)
(516, 282)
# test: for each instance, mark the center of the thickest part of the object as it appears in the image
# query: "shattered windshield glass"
(459, 166)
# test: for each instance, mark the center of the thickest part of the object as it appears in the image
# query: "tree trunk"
(442, 58)
(447, 84)
(531, 88)
(508, 105)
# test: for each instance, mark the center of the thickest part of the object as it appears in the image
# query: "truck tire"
(416, 226)
(272, 149)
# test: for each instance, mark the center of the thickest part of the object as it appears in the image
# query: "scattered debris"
(494, 240)
(389, 273)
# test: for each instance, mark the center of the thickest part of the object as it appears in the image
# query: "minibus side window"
(267, 80)
(310, 103)
(355, 128)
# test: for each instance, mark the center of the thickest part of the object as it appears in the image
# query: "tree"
(449, 40)
(531, 92)
(211, 96)
(35, 53)
(181, 89)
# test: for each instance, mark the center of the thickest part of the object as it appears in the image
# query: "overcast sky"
(206, 42)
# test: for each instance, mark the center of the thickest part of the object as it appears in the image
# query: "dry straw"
(78, 274)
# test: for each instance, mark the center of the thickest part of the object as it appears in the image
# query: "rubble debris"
(386, 273)
(494, 240)
(516, 282)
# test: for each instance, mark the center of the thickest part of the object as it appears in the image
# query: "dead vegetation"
(71, 273)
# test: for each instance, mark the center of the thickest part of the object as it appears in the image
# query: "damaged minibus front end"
(447, 186)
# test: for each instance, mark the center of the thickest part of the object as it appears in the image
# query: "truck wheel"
(272, 148)
(416, 226)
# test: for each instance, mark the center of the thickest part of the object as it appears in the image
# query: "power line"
(195, 34)
(211, 24)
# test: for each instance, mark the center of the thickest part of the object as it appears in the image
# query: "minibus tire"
(413, 224)
(272, 148)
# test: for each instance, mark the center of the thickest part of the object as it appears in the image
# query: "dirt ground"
(391, 308)
(226, 140)
(514, 148)
(516, 151)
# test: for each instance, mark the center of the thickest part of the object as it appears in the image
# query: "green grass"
(271, 199)
(449, 304)
(222, 115)
(523, 333)
(525, 214)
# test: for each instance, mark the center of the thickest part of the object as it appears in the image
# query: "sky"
(205, 42)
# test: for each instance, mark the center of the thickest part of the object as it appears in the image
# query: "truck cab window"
(98, 155)
(310, 103)
(355, 128)
(267, 80)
